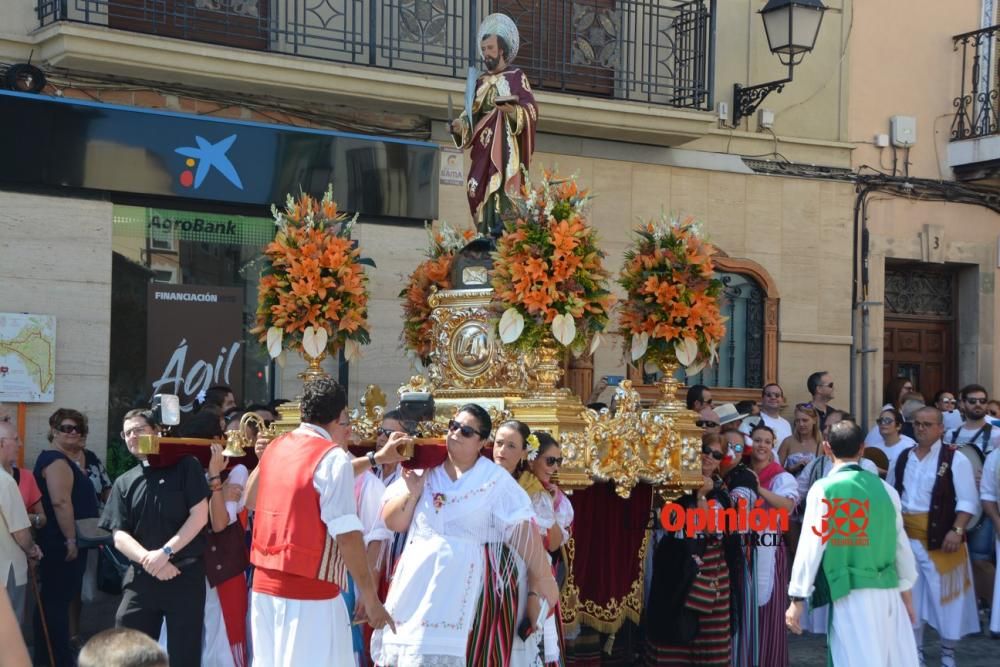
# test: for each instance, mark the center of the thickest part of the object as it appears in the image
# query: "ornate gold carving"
(467, 357)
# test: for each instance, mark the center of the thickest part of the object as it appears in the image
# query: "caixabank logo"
(207, 156)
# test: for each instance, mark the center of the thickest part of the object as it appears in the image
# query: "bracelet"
(215, 477)
(70, 542)
(371, 460)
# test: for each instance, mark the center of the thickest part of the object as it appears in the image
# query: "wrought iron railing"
(977, 107)
(657, 51)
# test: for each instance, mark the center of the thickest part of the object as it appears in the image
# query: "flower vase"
(314, 370)
(685, 459)
(547, 369)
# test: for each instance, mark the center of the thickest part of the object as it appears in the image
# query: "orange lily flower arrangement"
(548, 276)
(313, 295)
(672, 307)
(433, 274)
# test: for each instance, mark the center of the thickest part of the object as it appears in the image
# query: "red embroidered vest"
(292, 550)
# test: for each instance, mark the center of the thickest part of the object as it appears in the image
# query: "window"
(741, 352)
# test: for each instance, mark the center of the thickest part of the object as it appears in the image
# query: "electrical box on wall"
(903, 131)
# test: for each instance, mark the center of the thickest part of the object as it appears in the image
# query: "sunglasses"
(977, 401)
(387, 431)
(704, 423)
(708, 451)
(70, 428)
(553, 460)
(466, 431)
(885, 421)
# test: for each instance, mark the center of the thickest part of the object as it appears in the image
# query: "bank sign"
(55, 143)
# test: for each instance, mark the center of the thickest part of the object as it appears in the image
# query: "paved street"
(976, 651)
(805, 651)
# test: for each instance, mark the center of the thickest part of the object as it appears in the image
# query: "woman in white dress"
(510, 452)
(452, 512)
(553, 516)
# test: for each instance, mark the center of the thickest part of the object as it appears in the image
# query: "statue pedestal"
(468, 361)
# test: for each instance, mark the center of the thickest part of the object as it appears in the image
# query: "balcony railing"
(977, 107)
(657, 51)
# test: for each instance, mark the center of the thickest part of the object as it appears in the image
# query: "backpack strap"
(900, 469)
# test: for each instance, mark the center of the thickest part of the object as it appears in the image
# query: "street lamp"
(791, 27)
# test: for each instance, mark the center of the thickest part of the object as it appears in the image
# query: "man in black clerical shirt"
(158, 516)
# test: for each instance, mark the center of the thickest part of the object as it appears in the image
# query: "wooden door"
(218, 22)
(569, 46)
(921, 350)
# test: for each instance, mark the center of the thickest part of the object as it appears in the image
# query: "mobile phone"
(615, 380)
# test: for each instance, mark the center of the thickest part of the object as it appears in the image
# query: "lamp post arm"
(747, 99)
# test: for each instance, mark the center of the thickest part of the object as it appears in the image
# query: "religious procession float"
(496, 313)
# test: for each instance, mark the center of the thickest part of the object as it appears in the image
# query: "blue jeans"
(981, 541)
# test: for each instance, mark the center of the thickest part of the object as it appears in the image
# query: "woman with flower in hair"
(510, 452)
(554, 516)
(779, 490)
(458, 515)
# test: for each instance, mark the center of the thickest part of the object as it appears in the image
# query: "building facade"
(357, 94)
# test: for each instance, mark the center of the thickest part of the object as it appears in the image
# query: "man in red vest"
(305, 514)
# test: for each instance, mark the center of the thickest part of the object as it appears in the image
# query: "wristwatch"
(958, 530)
(167, 550)
(793, 598)
(371, 460)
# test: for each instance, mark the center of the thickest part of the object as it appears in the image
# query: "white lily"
(686, 350)
(511, 325)
(352, 350)
(274, 337)
(639, 345)
(595, 343)
(314, 341)
(564, 328)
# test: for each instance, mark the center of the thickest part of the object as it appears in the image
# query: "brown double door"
(922, 350)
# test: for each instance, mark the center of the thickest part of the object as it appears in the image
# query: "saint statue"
(501, 129)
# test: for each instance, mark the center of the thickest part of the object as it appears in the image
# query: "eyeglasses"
(772, 394)
(925, 424)
(136, 430)
(704, 423)
(885, 421)
(708, 451)
(70, 428)
(977, 401)
(466, 431)
(387, 431)
(553, 460)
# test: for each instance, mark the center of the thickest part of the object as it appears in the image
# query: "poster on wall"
(194, 340)
(27, 358)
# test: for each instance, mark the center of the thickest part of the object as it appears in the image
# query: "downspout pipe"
(859, 293)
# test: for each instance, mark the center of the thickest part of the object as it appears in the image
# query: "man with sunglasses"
(976, 439)
(937, 491)
(772, 397)
(820, 386)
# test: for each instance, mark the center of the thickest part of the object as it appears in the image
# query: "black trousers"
(146, 601)
(60, 582)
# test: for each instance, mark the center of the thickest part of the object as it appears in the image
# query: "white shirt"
(989, 485)
(782, 429)
(892, 452)
(368, 492)
(820, 468)
(919, 477)
(966, 435)
(334, 482)
(809, 555)
(13, 517)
